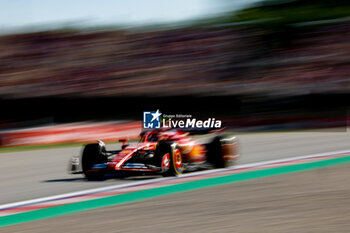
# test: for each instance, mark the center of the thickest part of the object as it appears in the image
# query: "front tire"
(93, 154)
(170, 151)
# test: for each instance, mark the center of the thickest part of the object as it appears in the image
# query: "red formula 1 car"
(166, 152)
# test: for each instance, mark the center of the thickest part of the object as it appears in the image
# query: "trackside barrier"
(71, 133)
(112, 131)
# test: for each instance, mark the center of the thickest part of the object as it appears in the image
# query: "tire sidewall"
(176, 165)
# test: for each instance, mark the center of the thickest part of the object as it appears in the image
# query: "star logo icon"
(156, 115)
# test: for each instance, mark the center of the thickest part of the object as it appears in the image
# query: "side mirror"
(123, 140)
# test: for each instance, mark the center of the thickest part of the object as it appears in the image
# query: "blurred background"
(261, 65)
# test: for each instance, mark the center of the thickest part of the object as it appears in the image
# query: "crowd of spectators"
(198, 61)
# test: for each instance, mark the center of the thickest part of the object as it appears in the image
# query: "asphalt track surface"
(309, 201)
(40, 173)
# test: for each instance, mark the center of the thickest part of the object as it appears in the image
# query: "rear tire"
(216, 151)
(93, 154)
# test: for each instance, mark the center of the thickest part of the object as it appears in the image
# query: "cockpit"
(159, 135)
(149, 136)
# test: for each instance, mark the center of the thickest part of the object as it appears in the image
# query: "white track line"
(107, 188)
